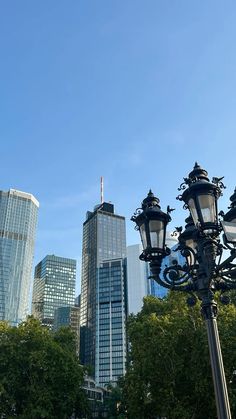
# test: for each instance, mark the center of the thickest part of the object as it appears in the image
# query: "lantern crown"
(150, 201)
(200, 197)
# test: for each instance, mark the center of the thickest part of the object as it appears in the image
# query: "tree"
(169, 373)
(40, 375)
(115, 403)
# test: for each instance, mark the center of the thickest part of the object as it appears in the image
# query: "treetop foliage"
(40, 374)
(169, 373)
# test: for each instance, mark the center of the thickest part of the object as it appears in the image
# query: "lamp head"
(151, 222)
(200, 196)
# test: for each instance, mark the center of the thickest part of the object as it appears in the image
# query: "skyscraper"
(103, 289)
(18, 220)
(54, 286)
(137, 278)
(111, 316)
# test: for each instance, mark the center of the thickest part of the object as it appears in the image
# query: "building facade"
(111, 315)
(137, 279)
(18, 220)
(54, 287)
(104, 242)
(97, 397)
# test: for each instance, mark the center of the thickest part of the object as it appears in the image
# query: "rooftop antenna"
(102, 198)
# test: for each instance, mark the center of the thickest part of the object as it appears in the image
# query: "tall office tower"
(138, 282)
(104, 241)
(68, 316)
(54, 286)
(18, 220)
(111, 343)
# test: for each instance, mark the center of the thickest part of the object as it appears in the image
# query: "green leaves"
(40, 375)
(169, 372)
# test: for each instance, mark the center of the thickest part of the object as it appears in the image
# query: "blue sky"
(134, 91)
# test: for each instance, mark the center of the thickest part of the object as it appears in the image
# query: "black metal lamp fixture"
(201, 198)
(229, 223)
(188, 240)
(203, 273)
(151, 221)
(231, 214)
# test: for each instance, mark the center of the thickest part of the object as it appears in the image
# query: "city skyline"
(130, 91)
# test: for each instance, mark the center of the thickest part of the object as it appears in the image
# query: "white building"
(137, 278)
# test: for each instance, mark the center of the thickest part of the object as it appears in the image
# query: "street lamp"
(203, 273)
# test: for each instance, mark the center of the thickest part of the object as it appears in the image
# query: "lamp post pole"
(203, 273)
(209, 311)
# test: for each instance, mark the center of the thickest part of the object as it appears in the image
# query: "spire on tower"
(102, 198)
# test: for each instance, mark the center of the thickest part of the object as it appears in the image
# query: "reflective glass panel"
(207, 205)
(156, 233)
(191, 243)
(230, 231)
(193, 210)
(143, 235)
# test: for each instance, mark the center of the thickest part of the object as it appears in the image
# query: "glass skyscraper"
(103, 292)
(110, 322)
(54, 286)
(137, 279)
(18, 220)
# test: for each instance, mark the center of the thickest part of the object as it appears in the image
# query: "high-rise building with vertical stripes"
(18, 220)
(54, 287)
(103, 294)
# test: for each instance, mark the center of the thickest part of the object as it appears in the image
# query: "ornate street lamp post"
(203, 273)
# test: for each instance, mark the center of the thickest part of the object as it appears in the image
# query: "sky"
(134, 91)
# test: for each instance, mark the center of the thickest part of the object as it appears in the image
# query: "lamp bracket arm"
(185, 288)
(186, 252)
(227, 263)
(159, 281)
(176, 275)
(226, 285)
(228, 245)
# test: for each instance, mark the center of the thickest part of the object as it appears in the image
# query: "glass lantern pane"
(143, 235)
(190, 257)
(230, 231)
(191, 243)
(207, 205)
(193, 210)
(156, 233)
